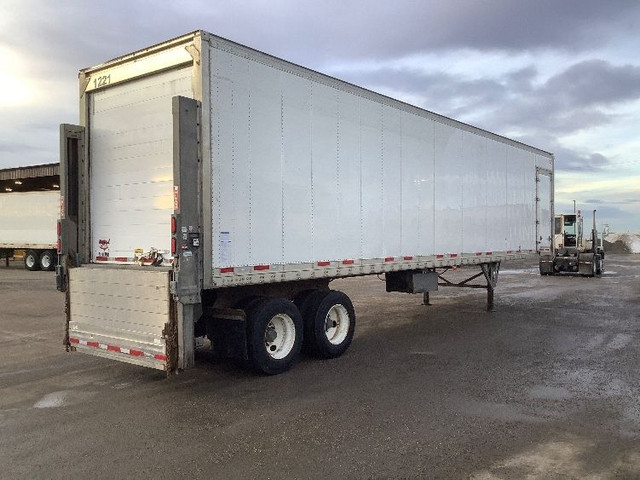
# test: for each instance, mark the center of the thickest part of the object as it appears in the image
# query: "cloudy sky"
(562, 75)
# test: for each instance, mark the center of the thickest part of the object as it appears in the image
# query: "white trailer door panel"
(544, 214)
(131, 157)
(123, 316)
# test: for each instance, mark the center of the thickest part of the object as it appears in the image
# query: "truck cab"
(568, 231)
(572, 252)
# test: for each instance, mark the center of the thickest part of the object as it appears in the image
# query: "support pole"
(425, 299)
(490, 271)
(490, 299)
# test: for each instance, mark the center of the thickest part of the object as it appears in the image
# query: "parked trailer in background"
(29, 210)
(211, 189)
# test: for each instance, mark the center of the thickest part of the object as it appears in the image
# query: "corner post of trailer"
(186, 225)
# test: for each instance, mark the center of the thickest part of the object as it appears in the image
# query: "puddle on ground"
(52, 400)
(498, 411)
(545, 392)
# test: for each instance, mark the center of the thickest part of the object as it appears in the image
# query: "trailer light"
(59, 227)
(174, 225)
(173, 246)
(59, 246)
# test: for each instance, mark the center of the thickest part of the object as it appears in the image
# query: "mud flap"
(586, 264)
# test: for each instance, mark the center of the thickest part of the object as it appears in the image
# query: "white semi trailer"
(29, 210)
(211, 189)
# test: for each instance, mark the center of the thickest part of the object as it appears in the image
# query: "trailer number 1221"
(102, 81)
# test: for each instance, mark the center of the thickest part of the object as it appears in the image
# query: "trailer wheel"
(32, 260)
(47, 260)
(330, 322)
(274, 335)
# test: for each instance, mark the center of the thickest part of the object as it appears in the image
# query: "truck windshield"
(570, 224)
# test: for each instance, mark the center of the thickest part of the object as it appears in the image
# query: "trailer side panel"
(309, 171)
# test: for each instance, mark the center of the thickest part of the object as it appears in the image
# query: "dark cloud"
(595, 82)
(81, 33)
(578, 98)
(573, 100)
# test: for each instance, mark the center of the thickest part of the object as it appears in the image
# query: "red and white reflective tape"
(349, 262)
(114, 348)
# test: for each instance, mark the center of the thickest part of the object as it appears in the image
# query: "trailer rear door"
(131, 158)
(544, 210)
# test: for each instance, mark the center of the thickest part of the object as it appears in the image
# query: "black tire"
(303, 301)
(32, 260)
(270, 354)
(47, 260)
(302, 297)
(321, 338)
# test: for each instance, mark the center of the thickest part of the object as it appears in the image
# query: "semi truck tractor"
(573, 251)
(212, 190)
(29, 210)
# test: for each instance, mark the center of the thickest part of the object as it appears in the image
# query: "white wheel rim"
(336, 324)
(280, 336)
(46, 261)
(30, 261)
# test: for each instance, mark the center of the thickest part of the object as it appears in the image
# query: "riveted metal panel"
(297, 180)
(372, 191)
(392, 197)
(449, 168)
(348, 177)
(475, 153)
(331, 173)
(324, 173)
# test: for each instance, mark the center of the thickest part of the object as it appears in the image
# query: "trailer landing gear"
(490, 272)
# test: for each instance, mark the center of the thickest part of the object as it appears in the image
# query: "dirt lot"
(547, 386)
